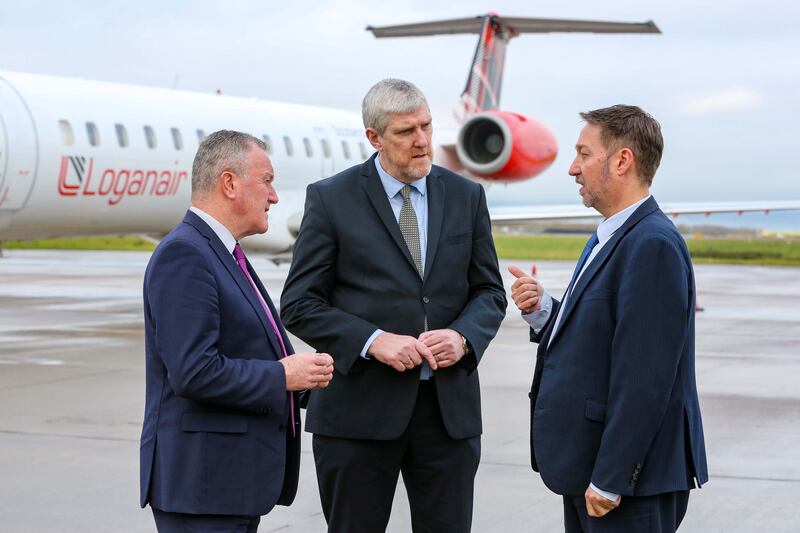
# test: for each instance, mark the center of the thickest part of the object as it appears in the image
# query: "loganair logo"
(78, 177)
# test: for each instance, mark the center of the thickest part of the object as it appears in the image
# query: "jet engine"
(504, 146)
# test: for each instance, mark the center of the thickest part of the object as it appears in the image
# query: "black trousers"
(662, 513)
(201, 523)
(357, 478)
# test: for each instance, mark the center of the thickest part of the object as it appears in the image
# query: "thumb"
(516, 272)
(534, 270)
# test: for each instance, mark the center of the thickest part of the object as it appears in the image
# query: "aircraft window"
(122, 135)
(150, 137)
(363, 150)
(346, 150)
(326, 148)
(200, 136)
(67, 137)
(177, 138)
(268, 142)
(307, 144)
(288, 144)
(93, 134)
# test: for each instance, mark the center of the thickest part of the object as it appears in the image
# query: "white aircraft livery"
(84, 157)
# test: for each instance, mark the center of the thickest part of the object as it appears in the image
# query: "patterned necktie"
(238, 254)
(410, 228)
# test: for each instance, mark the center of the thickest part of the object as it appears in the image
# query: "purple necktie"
(240, 259)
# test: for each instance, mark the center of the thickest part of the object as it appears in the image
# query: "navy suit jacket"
(614, 399)
(215, 437)
(352, 273)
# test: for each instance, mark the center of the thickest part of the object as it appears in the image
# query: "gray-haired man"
(395, 275)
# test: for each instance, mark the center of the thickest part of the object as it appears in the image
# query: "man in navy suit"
(396, 276)
(615, 420)
(220, 442)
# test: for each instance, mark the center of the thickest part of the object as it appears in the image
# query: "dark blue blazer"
(215, 437)
(614, 399)
(352, 273)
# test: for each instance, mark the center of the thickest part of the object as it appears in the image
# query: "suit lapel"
(377, 196)
(435, 200)
(601, 258)
(227, 260)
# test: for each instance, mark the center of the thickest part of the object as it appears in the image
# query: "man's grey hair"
(222, 150)
(389, 96)
(629, 126)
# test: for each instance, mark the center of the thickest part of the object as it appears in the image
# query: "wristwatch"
(465, 345)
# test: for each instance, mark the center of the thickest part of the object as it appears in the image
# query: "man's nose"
(421, 139)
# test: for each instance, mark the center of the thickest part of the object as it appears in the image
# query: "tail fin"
(486, 75)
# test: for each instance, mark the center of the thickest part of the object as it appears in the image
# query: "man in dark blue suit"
(220, 442)
(615, 419)
(396, 276)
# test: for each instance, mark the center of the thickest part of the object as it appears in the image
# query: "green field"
(723, 251)
(523, 247)
(118, 242)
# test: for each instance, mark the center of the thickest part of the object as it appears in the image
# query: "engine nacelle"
(505, 146)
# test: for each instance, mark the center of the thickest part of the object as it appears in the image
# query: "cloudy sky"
(723, 79)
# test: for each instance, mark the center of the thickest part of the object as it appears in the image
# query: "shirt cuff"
(538, 319)
(369, 342)
(605, 494)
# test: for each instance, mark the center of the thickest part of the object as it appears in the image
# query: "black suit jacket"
(215, 438)
(614, 399)
(352, 273)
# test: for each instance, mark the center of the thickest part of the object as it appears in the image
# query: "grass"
(721, 251)
(523, 247)
(111, 242)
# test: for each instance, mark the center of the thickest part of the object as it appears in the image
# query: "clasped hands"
(439, 347)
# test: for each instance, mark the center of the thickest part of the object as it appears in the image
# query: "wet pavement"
(72, 393)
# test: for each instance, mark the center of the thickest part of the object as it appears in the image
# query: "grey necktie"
(410, 229)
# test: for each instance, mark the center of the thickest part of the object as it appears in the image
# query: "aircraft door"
(18, 149)
(323, 140)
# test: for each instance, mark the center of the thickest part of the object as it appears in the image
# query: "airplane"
(84, 157)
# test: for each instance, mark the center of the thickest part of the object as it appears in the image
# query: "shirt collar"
(393, 185)
(609, 226)
(217, 227)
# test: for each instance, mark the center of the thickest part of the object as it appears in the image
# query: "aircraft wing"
(521, 216)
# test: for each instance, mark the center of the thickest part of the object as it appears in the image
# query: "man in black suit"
(220, 440)
(395, 275)
(615, 419)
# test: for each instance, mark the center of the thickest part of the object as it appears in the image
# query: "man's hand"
(597, 505)
(401, 352)
(445, 345)
(526, 290)
(307, 370)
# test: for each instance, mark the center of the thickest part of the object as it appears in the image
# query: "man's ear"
(228, 183)
(374, 139)
(624, 161)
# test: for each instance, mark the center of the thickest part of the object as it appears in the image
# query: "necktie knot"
(406, 192)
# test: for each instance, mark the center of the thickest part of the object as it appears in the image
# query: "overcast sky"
(723, 79)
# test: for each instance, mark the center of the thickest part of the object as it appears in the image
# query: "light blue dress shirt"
(538, 319)
(419, 202)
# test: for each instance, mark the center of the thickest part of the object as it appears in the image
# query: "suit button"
(425, 300)
(282, 428)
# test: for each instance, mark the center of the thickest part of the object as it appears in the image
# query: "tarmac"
(72, 396)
